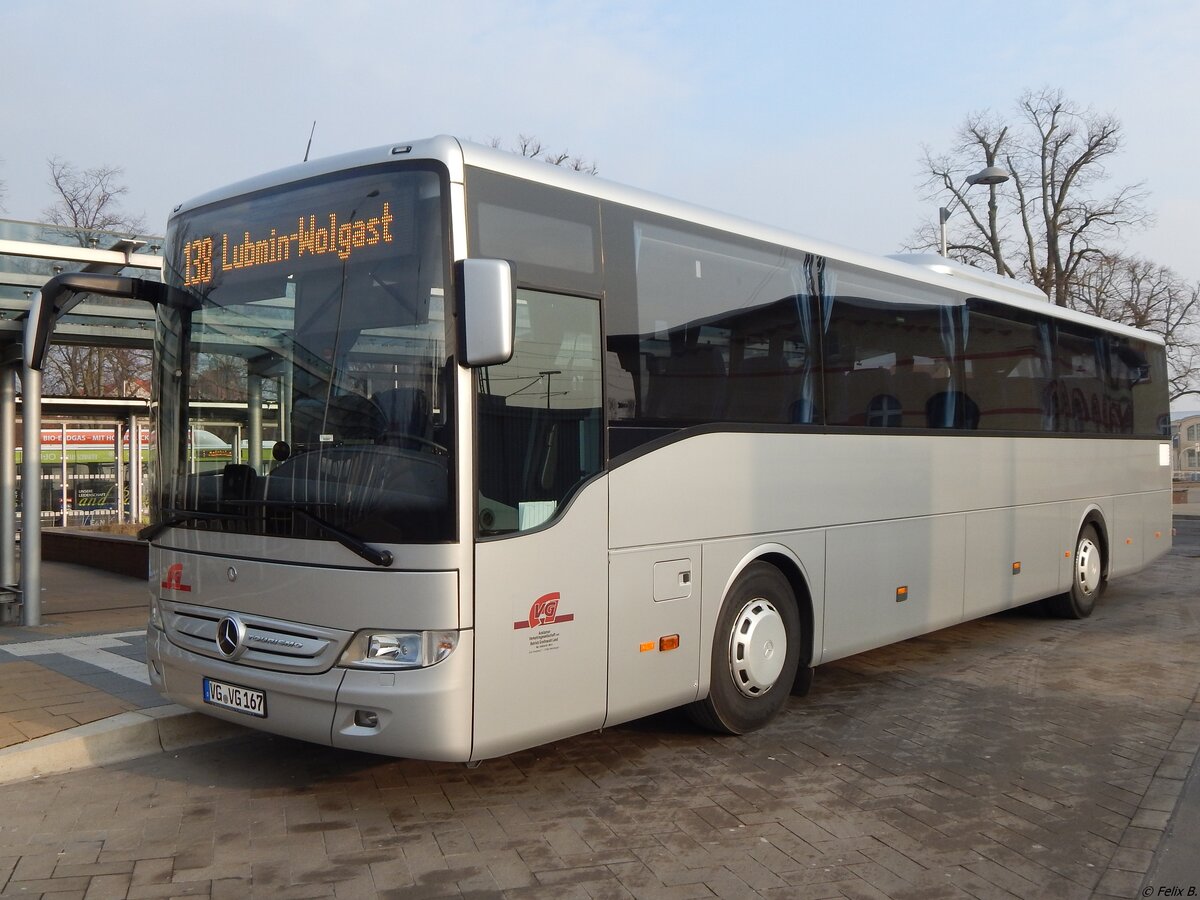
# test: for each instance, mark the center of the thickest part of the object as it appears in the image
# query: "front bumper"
(418, 713)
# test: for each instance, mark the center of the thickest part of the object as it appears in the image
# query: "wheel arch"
(786, 561)
(1094, 516)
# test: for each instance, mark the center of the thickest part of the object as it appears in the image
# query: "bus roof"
(457, 154)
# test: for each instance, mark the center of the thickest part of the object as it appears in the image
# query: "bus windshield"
(309, 393)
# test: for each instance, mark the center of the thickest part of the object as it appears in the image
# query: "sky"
(811, 116)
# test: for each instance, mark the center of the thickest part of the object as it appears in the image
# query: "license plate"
(239, 699)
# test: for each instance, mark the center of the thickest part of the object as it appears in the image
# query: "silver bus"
(549, 454)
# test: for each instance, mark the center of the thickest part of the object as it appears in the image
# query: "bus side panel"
(1156, 522)
(541, 636)
(1035, 567)
(1125, 535)
(716, 485)
(1012, 558)
(887, 581)
(644, 609)
(655, 594)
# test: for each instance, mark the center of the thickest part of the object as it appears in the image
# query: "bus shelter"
(84, 462)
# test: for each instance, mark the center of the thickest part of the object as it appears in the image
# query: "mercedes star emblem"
(231, 636)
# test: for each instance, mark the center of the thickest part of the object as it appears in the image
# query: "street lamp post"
(991, 176)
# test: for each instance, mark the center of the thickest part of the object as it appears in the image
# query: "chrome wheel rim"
(1087, 566)
(757, 647)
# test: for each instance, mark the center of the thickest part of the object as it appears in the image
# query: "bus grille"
(252, 640)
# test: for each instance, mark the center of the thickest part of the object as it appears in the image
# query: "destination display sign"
(293, 238)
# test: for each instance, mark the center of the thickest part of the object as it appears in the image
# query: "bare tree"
(1146, 295)
(88, 210)
(983, 136)
(79, 371)
(88, 202)
(532, 148)
(1055, 219)
(217, 377)
(1057, 224)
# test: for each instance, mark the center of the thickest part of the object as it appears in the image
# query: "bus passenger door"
(541, 556)
(654, 630)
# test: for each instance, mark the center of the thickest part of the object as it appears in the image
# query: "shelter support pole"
(31, 497)
(135, 469)
(254, 421)
(8, 484)
(120, 457)
(8, 476)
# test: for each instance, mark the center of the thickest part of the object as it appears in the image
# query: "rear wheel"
(1087, 578)
(755, 654)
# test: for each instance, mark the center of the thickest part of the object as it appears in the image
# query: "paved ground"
(1013, 756)
(84, 664)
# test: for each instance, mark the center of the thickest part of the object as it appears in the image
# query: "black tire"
(1088, 580)
(748, 685)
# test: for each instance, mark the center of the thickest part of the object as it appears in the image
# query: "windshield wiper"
(353, 543)
(178, 517)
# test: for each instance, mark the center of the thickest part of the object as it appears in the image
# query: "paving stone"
(993, 759)
(1118, 883)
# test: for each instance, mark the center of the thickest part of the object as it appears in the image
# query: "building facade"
(1185, 444)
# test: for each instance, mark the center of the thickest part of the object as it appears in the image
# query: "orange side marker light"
(668, 642)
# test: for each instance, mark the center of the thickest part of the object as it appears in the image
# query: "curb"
(1173, 864)
(116, 739)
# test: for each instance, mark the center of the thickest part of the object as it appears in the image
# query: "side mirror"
(487, 311)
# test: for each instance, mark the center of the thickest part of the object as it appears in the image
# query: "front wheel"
(1087, 579)
(755, 654)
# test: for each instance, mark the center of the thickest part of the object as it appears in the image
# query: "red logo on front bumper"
(174, 579)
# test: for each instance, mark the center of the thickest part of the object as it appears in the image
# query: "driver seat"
(408, 422)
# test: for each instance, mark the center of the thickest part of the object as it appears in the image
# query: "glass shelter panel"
(88, 472)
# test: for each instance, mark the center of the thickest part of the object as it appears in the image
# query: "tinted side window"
(1109, 384)
(1081, 400)
(551, 236)
(1008, 364)
(891, 356)
(723, 332)
(1136, 382)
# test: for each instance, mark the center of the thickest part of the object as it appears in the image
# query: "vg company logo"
(543, 612)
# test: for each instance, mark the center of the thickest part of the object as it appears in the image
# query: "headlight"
(398, 649)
